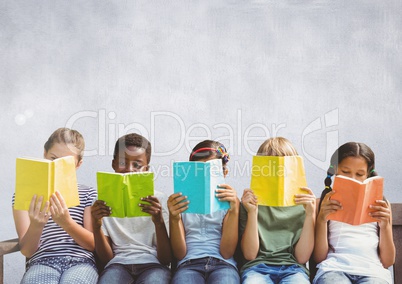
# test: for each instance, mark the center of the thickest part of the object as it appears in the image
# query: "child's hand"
(99, 210)
(249, 200)
(381, 212)
(227, 193)
(36, 216)
(328, 206)
(308, 200)
(59, 210)
(176, 205)
(154, 208)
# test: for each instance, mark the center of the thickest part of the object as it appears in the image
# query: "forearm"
(250, 242)
(230, 233)
(177, 239)
(321, 246)
(305, 245)
(102, 246)
(386, 246)
(163, 244)
(29, 243)
(81, 236)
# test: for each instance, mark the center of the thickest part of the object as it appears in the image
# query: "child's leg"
(293, 274)
(153, 273)
(332, 277)
(257, 274)
(82, 273)
(223, 273)
(189, 272)
(40, 273)
(115, 273)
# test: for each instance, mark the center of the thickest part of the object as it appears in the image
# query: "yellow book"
(275, 180)
(44, 177)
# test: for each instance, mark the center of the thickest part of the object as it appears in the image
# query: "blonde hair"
(277, 146)
(67, 136)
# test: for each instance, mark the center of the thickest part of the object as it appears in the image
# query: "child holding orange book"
(353, 253)
(58, 240)
(276, 241)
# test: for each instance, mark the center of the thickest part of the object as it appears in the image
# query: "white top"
(134, 239)
(356, 251)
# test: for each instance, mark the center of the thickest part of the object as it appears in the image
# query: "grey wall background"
(320, 73)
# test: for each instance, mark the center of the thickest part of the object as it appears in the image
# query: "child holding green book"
(58, 240)
(204, 244)
(135, 249)
(277, 241)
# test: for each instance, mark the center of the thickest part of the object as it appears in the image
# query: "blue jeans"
(206, 270)
(67, 269)
(270, 274)
(152, 273)
(332, 277)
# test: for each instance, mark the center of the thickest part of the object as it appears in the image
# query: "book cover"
(275, 180)
(199, 181)
(356, 197)
(44, 177)
(123, 192)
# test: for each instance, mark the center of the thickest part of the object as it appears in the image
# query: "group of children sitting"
(247, 243)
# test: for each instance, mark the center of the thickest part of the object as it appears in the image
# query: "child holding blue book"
(58, 240)
(135, 249)
(204, 244)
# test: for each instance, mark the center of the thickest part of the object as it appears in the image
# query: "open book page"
(123, 192)
(275, 180)
(356, 197)
(43, 177)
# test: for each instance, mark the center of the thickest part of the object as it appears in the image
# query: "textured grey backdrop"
(320, 73)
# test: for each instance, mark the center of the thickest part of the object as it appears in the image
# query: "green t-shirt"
(279, 229)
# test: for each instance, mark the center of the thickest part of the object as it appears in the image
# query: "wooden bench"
(11, 246)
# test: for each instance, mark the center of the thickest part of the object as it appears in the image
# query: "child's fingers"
(61, 200)
(308, 190)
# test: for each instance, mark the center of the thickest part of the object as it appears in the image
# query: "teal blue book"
(199, 181)
(123, 192)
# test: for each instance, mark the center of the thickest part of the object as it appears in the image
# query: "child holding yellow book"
(134, 249)
(58, 240)
(348, 253)
(276, 241)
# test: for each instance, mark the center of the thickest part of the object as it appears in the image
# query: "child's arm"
(103, 247)
(162, 240)
(321, 246)
(177, 204)
(30, 224)
(61, 216)
(250, 242)
(383, 214)
(230, 227)
(305, 245)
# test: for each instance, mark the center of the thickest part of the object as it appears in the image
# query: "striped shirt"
(55, 241)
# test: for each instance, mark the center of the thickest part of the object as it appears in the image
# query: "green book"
(123, 192)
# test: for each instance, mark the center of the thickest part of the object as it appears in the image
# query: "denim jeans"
(270, 274)
(332, 277)
(206, 270)
(67, 269)
(152, 273)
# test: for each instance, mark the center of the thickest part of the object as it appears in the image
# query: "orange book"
(356, 197)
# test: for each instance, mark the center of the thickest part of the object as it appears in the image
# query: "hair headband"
(220, 151)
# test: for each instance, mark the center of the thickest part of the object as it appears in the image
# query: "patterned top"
(55, 242)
